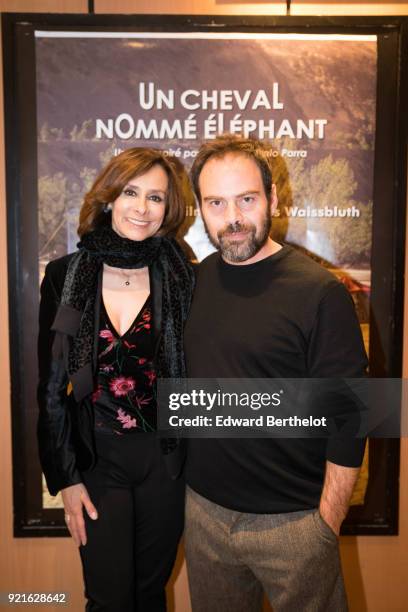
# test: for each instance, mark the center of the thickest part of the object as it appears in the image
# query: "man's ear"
(274, 199)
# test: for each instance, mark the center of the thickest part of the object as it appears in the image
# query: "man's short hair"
(230, 143)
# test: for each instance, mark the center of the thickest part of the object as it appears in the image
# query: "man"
(264, 514)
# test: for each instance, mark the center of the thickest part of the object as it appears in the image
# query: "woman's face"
(139, 211)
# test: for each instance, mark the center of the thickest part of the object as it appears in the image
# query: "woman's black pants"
(132, 546)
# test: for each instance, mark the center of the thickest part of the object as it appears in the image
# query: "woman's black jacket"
(65, 427)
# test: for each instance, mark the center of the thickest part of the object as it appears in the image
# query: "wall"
(376, 569)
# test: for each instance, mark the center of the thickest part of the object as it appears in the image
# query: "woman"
(111, 322)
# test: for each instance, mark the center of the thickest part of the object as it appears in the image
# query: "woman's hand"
(74, 497)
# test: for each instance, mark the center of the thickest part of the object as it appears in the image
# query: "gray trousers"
(233, 557)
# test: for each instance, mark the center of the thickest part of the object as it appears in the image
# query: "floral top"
(123, 397)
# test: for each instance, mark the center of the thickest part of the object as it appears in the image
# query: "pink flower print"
(107, 334)
(121, 386)
(106, 368)
(142, 400)
(128, 345)
(96, 394)
(145, 321)
(146, 315)
(126, 419)
(151, 375)
(141, 361)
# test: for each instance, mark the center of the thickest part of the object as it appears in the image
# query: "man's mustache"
(234, 228)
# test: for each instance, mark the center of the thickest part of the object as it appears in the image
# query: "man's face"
(235, 209)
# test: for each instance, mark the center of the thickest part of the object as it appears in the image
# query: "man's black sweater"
(287, 317)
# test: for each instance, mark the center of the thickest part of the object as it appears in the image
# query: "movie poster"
(312, 97)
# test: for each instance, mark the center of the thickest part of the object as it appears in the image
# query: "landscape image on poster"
(313, 98)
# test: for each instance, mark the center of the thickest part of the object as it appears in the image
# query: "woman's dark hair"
(114, 177)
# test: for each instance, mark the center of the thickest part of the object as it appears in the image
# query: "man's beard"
(238, 251)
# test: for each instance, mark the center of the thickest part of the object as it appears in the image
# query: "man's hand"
(74, 497)
(338, 487)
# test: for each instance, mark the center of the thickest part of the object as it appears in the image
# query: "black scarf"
(75, 320)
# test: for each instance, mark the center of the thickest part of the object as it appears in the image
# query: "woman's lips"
(137, 222)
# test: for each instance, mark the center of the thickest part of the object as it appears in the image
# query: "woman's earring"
(107, 208)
